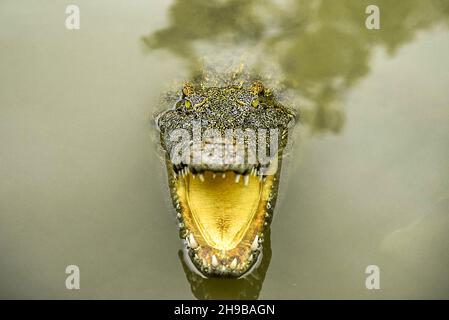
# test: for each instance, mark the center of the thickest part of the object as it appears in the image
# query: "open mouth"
(222, 215)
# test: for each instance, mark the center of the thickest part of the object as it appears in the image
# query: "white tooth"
(255, 243)
(192, 241)
(260, 177)
(246, 179)
(201, 177)
(268, 205)
(237, 178)
(214, 175)
(223, 175)
(233, 264)
(214, 261)
(252, 171)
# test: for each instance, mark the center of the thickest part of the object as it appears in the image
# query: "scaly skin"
(224, 208)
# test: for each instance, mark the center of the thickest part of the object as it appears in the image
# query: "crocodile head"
(223, 150)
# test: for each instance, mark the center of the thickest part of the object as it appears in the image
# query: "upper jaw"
(243, 172)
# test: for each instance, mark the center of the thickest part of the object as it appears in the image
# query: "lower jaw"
(229, 258)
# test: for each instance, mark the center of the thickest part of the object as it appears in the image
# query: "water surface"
(82, 182)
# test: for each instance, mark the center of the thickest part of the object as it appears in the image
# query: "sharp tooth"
(252, 171)
(260, 177)
(255, 243)
(268, 205)
(214, 261)
(233, 264)
(192, 241)
(237, 178)
(223, 175)
(214, 175)
(201, 177)
(246, 179)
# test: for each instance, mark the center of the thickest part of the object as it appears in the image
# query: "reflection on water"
(247, 287)
(315, 49)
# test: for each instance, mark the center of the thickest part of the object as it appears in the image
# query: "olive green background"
(81, 180)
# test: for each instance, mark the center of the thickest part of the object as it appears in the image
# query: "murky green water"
(82, 182)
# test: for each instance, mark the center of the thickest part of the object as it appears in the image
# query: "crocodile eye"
(255, 103)
(183, 103)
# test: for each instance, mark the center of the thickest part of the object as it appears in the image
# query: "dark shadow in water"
(247, 288)
(319, 49)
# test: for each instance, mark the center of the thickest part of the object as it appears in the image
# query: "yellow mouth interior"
(222, 208)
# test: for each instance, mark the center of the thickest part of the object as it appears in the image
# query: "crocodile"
(223, 147)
